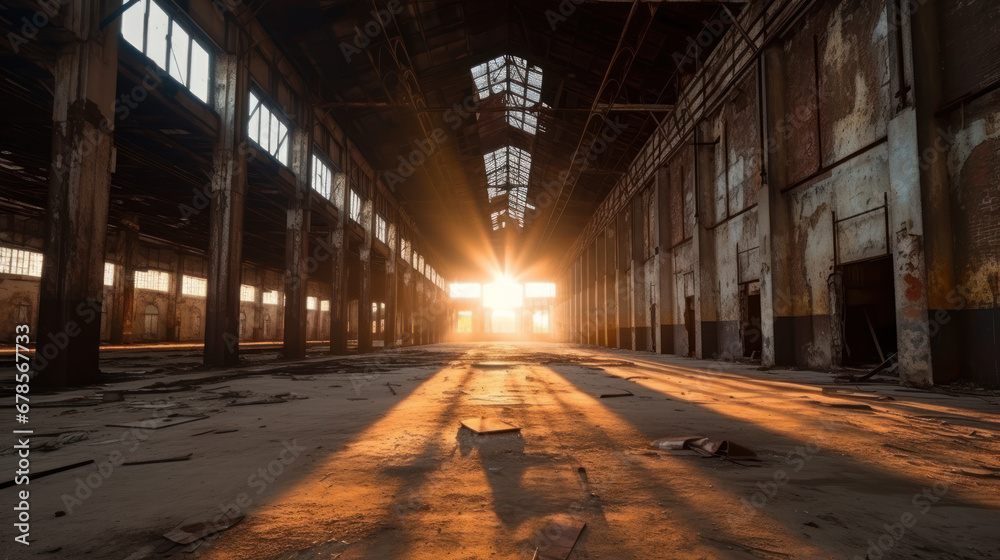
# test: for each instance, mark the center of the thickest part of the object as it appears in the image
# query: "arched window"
(24, 312)
(151, 322)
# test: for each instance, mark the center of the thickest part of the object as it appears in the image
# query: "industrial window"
(540, 322)
(148, 28)
(322, 181)
(420, 264)
(247, 293)
(192, 286)
(520, 85)
(404, 250)
(267, 130)
(355, 208)
(497, 219)
(540, 290)
(16, 261)
(311, 303)
(464, 322)
(155, 280)
(507, 171)
(324, 305)
(381, 232)
(465, 290)
(271, 297)
(151, 322)
(109, 274)
(508, 166)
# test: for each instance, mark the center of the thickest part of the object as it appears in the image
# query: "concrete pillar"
(173, 316)
(706, 277)
(777, 346)
(390, 287)
(338, 267)
(123, 300)
(365, 278)
(607, 288)
(297, 247)
(72, 284)
(906, 225)
(229, 185)
(667, 321)
(640, 308)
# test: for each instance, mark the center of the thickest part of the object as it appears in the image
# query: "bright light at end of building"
(503, 294)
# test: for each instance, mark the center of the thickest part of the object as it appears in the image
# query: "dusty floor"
(353, 471)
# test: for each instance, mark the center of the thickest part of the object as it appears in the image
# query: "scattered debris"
(389, 385)
(357, 398)
(63, 440)
(197, 528)
(977, 472)
(622, 393)
(705, 447)
(561, 535)
(484, 425)
(164, 460)
(843, 405)
(76, 401)
(745, 547)
(153, 406)
(273, 399)
(888, 365)
(157, 423)
(56, 470)
(861, 395)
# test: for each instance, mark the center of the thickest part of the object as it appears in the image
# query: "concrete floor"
(355, 472)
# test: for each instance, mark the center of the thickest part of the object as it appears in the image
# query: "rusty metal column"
(72, 284)
(229, 185)
(123, 300)
(365, 278)
(906, 222)
(338, 268)
(391, 288)
(297, 246)
(173, 316)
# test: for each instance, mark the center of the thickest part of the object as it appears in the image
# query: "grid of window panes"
(109, 274)
(194, 286)
(270, 297)
(148, 28)
(381, 231)
(155, 280)
(540, 290)
(267, 130)
(247, 293)
(322, 177)
(507, 166)
(520, 85)
(311, 303)
(355, 208)
(324, 305)
(17, 261)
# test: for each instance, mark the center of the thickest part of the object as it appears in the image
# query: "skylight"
(520, 85)
(508, 166)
